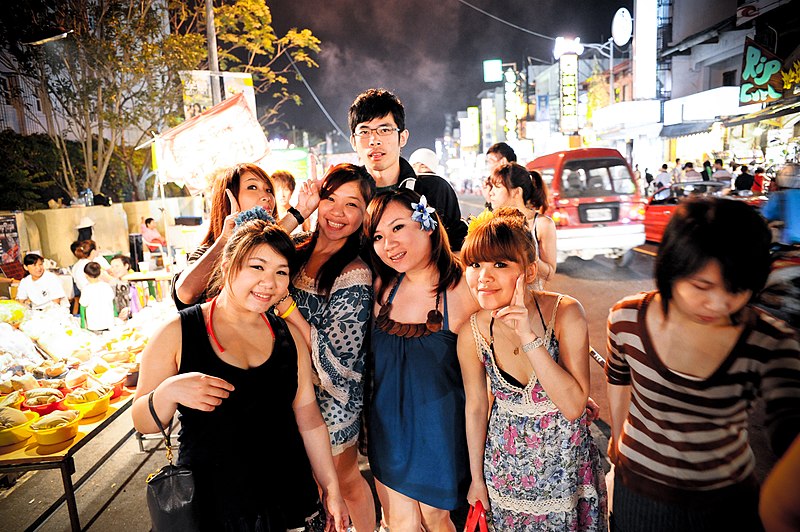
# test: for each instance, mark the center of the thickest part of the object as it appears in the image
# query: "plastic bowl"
(43, 410)
(90, 408)
(58, 434)
(18, 403)
(19, 433)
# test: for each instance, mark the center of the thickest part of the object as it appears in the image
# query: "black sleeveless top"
(247, 455)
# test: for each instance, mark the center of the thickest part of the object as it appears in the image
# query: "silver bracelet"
(534, 344)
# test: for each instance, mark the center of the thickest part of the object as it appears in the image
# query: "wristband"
(297, 215)
(530, 346)
(288, 311)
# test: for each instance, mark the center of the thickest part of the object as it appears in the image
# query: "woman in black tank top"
(240, 378)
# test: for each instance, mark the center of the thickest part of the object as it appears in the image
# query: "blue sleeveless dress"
(417, 435)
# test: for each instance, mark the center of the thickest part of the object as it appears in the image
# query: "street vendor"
(40, 289)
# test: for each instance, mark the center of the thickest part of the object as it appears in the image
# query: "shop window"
(729, 78)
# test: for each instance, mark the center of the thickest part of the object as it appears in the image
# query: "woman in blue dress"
(417, 443)
(332, 294)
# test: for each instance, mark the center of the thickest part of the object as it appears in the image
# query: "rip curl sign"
(761, 75)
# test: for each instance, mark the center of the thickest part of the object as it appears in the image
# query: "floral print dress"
(542, 471)
(338, 349)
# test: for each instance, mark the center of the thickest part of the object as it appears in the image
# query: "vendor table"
(30, 456)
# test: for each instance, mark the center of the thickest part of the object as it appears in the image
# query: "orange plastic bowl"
(19, 433)
(90, 408)
(18, 403)
(58, 434)
(43, 410)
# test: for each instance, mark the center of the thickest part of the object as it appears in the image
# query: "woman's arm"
(307, 203)
(619, 401)
(546, 262)
(316, 439)
(159, 374)
(476, 410)
(567, 381)
(192, 281)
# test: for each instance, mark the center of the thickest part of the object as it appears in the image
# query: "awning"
(686, 128)
(773, 111)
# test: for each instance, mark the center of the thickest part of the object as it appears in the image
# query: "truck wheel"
(624, 260)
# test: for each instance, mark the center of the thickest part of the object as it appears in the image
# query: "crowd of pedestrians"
(440, 355)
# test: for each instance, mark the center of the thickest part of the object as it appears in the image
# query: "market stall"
(61, 386)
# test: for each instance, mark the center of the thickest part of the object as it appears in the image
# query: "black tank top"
(247, 454)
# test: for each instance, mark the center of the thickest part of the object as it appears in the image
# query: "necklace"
(491, 338)
(210, 327)
(432, 324)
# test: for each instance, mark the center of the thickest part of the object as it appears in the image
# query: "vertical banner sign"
(9, 239)
(761, 75)
(568, 93)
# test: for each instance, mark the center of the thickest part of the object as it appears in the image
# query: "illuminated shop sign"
(761, 75)
(568, 93)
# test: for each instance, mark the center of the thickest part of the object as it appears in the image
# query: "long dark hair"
(534, 191)
(230, 179)
(450, 269)
(336, 177)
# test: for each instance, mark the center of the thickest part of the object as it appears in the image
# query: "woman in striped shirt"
(686, 363)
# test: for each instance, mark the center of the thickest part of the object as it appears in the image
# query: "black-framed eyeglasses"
(381, 131)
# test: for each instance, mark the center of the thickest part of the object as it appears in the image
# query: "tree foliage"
(107, 84)
(28, 162)
(247, 42)
(114, 80)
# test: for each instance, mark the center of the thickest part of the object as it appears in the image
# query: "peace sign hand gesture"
(515, 315)
(229, 223)
(308, 198)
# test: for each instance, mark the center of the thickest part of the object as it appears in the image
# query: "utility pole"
(213, 60)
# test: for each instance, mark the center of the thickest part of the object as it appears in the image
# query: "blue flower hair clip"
(422, 214)
(256, 213)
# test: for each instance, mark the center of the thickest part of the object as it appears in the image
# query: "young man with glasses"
(377, 134)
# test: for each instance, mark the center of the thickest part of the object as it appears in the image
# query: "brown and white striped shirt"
(685, 438)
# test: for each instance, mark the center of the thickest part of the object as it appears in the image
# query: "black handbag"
(170, 491)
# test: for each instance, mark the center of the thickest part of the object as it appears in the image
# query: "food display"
(53, 373)
(11, 417)
(13, 400)
(56, 427)
(15, 428)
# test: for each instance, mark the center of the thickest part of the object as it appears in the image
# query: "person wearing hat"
(377, 134)
(424, 161)
(85, 228)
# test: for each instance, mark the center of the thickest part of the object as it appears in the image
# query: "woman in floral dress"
(330, 304)
(534, 464)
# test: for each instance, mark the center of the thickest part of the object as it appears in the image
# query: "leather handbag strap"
(167, 441)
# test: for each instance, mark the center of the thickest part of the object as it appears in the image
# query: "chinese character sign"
(568, 92)
(761, 75)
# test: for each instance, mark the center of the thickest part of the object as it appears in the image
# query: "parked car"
(664, 201)
(595, 205)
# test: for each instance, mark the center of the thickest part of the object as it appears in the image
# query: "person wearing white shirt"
(40, 289)
(86, 251)
(98, 298)
(721, 174)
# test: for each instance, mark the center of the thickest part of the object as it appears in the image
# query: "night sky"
(427, 52)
